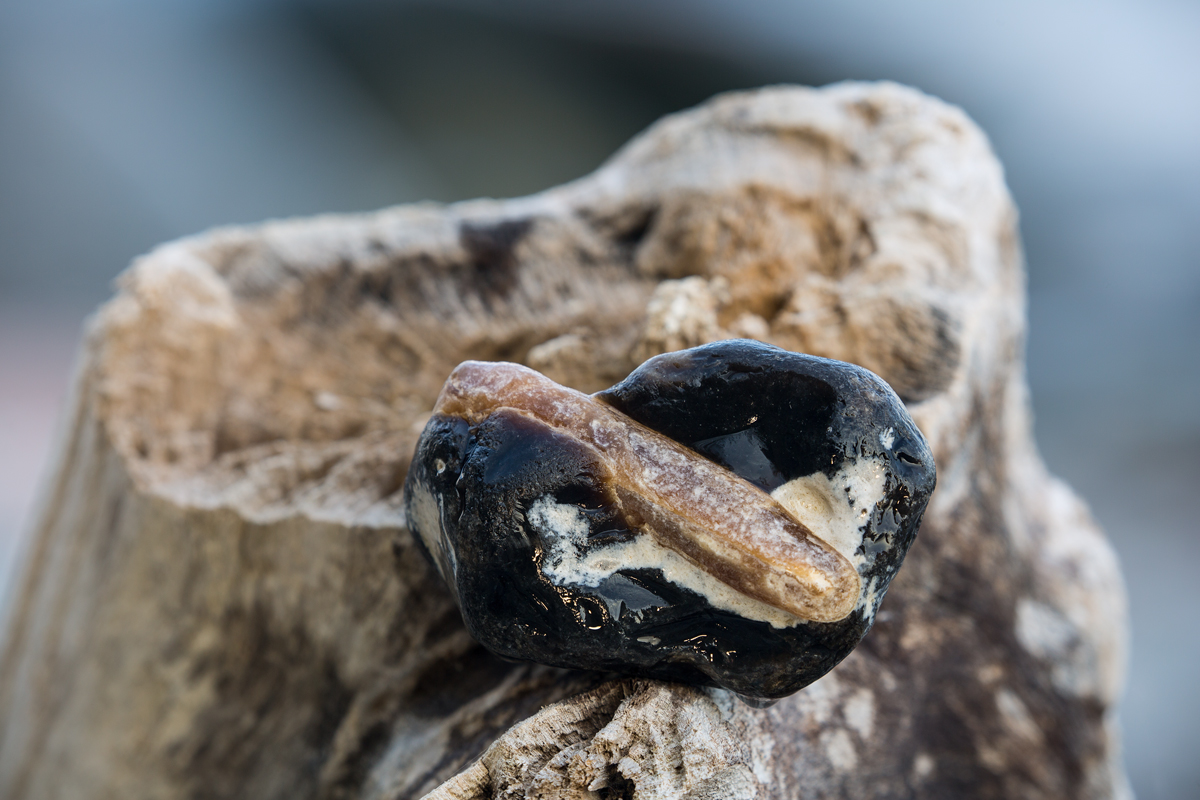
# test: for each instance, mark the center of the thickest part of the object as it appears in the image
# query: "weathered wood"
(221, 599)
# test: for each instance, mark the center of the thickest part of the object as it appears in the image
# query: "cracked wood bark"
(221, 600)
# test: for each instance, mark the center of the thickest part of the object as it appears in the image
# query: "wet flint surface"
(766, 414)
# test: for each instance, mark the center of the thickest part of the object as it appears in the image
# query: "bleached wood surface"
(222, 601)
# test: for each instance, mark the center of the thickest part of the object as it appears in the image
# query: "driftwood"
(221, 599)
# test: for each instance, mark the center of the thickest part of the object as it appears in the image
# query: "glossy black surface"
(767, 414)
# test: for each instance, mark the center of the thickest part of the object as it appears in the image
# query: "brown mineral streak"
(715, 519)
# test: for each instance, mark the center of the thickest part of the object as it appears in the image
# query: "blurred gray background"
(124, 123)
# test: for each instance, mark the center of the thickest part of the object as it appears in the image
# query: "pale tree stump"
(221, 599)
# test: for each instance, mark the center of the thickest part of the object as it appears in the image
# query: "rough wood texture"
(222, 600)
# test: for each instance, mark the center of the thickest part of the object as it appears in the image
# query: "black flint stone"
(767, 414)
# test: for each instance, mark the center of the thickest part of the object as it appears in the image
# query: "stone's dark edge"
(767, 414)
(445, 440)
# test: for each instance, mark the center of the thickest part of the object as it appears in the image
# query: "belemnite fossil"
(728, 515)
